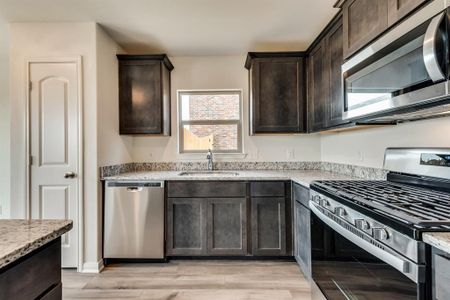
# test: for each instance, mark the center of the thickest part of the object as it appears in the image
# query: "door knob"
(70, 175)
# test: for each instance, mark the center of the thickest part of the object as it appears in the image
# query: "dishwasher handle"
(133, 185)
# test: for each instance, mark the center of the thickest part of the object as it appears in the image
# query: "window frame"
(182, 123)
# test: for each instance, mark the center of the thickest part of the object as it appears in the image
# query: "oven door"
(346, 268)
(406, 72)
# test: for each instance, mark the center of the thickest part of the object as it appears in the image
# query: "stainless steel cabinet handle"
(68, 175)
(429, 49)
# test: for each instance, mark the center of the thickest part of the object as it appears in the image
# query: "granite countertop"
(439, 240)
(303, 177)
(20, 237)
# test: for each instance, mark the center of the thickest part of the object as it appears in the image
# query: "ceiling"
(188, 27)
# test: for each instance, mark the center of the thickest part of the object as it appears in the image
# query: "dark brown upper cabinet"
(317, 87)
(364, 20)
(277, 92)
(144, 94)
(397, 9)
(335, 59)
(325, 90)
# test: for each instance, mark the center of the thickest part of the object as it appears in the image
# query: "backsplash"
(351, 170)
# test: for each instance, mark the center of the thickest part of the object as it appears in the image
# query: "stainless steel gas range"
(367, 235)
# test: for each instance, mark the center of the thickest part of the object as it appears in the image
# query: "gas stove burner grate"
(416, 206)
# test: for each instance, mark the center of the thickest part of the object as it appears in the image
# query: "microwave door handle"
(429, 49)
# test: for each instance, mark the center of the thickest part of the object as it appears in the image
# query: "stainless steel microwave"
(404, 75)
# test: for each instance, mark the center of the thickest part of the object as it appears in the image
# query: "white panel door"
(54, 127)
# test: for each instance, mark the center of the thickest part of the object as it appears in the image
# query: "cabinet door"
(317, 88)
(140, 97)
(440, 274)
(227, 226)
(186, 226)
(32, 275)
(303, 238)
(335, 61)
(397, 9)
(364, 20)
(278, 96)
(268, 226)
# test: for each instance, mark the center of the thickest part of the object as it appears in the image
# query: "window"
(210, 120)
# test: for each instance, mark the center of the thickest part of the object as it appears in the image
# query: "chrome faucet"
(209, 157)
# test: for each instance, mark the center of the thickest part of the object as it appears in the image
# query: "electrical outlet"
(290, 153)
(360, 156)
(254, 155)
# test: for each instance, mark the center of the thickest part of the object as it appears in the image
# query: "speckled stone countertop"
(439, 240)
(303, 177)
(20, 237)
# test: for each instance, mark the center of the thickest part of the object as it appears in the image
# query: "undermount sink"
(209, 173)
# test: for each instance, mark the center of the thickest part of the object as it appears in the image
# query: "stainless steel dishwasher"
(134, 220)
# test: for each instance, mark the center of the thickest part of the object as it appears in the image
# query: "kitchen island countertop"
(20, 237)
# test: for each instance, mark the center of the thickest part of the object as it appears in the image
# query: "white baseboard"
(93, 267)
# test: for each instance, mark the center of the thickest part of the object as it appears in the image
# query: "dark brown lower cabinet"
(268, 226)
(440, 274)
(186, 226)
(206, 226)
(302, 229)
(234, 219)
(35, 276)
(227, 226)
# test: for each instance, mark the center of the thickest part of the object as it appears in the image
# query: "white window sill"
(216, 156)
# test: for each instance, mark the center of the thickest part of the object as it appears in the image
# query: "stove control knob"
(316, 198)
(340, 211)
(379, 233)
(323, 202)
(362, 224)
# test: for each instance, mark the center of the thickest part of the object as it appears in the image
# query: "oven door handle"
(409, 269)
(429, 49)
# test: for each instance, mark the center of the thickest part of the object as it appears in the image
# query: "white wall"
(112, 148)
(221, 72)
(30, 40)
(366, 147)
(4, 122)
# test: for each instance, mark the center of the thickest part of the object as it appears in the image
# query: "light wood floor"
(191, 280)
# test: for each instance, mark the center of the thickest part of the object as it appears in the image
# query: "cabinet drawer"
(206, 189)
(32, 276)
(267, 189)
(301, 194)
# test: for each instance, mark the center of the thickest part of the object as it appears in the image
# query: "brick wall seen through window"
(210, 121)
